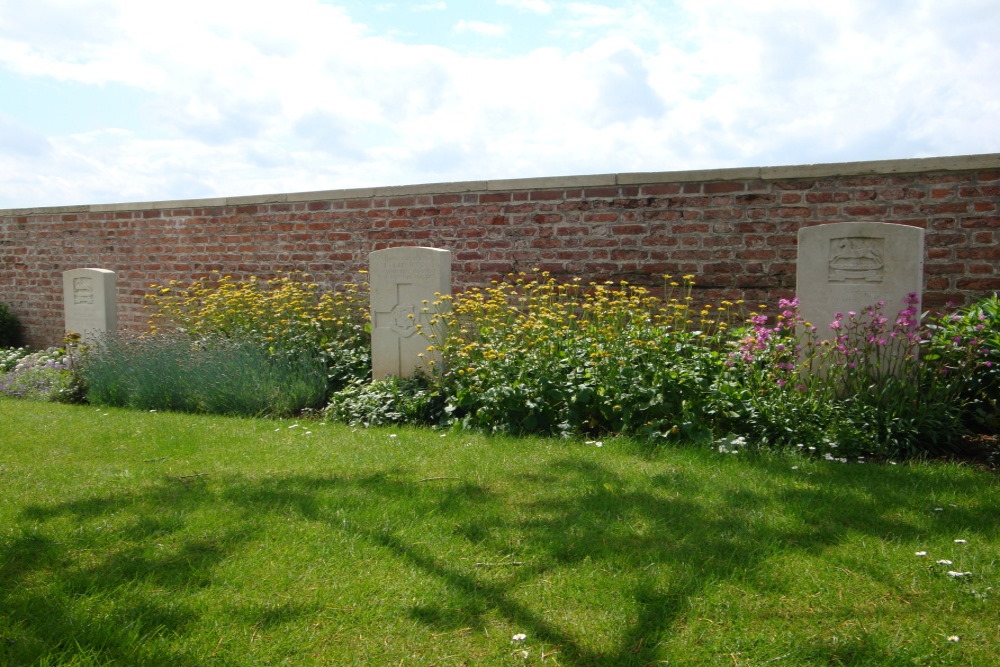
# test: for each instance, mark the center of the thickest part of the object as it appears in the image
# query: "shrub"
(47, 375)
(10, 328)
(10, 357)
(965, 348)
(383, 402)
(533, 355)
(868, 390)
(284, 315)
(213, 374)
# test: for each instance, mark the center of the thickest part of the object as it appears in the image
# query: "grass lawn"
(142, 539)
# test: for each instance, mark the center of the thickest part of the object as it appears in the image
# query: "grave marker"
(405, 282)
(847, 266)
(89, 302)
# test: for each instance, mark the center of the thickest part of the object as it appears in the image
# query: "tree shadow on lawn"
(684, 522)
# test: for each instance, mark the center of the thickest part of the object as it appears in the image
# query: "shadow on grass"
(134, 556)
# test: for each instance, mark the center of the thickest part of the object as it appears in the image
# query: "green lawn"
(141, 539)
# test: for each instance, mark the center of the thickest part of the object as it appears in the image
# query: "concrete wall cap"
(840, 169)
(698, 175)
(430, 189)
(320, 195)
(552, 182)
(250, 200)
(158, 205)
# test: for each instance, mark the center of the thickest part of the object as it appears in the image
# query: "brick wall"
(735, 229)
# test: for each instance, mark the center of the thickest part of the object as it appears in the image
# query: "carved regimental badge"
(856, 260)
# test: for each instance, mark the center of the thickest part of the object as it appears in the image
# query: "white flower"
(944, 562)
(960, 542)
(795, 467)
(958, 575)
(938, 509)
(519, 637)
(953, 638)
(294, 426)
(920, 553)
(393, 435)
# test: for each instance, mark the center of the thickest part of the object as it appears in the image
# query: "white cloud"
(537, 6)
(243, 98)
(481, 28)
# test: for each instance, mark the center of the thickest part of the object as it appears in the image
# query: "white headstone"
(405, 283)
(89, 302)
(848, 266)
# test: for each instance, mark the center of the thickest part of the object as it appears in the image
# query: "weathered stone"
(90, 303)
(405, 283)
(848, 266)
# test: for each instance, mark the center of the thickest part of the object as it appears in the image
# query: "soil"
(981, 450)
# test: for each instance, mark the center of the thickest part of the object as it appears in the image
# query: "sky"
(106, 101)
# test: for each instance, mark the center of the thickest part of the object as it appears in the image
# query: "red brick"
(866, 211)
(494, 198)
(629, 230)
(791, 212)
(546, 195)
(824, 197)
(655, 190)
(944, 239)
(723, 186)
(938, 268)
(978, 253)
(600, 217)
(981, 223)
(689, 228)
(949, 207)
(758, 199)
(756, 253)
(978, 284)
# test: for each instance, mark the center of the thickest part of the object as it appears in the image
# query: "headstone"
(405, 283)
(89, 302)
(847, 266)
